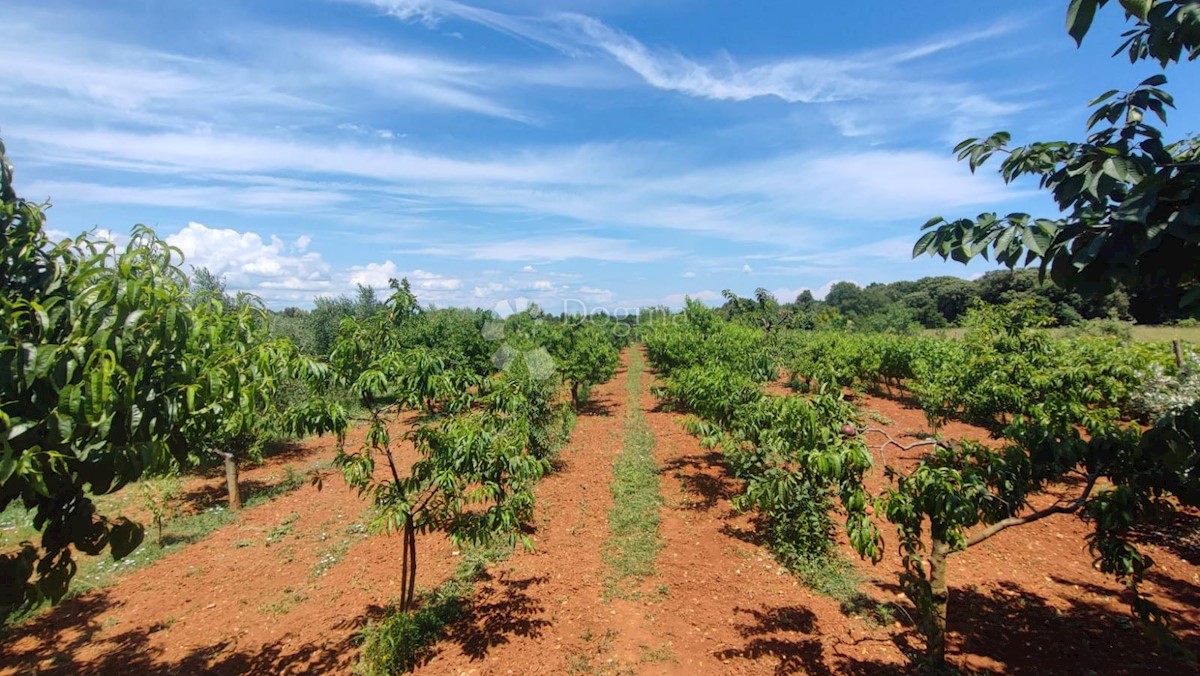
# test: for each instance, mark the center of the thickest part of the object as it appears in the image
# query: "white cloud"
(488, 290)
(689, 274)
(786, 295)
(597, 295)
(870, 77)
(269, 268)
(543, 285)
(239, 198)
(378, 275)
(412, 77)
(747, 269)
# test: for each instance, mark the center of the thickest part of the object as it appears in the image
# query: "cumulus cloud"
(488, 290)
(267, 267)
(375, 275)
(378, 275)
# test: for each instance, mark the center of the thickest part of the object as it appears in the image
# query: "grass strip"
(633, 521)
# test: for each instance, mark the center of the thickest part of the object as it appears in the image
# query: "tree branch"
(892, 442)
(1059, 507)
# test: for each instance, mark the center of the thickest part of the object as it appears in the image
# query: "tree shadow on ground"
(216, 495)
(792, 639)
(61, 634)
(1177, 531)
(1183, 593)
(1024, 632)
(597, 407)
(704, 476)
(500, 609)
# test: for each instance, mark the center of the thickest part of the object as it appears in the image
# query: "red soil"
(1025, 600)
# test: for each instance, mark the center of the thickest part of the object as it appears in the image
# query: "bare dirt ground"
(285, 588)
(281, 590)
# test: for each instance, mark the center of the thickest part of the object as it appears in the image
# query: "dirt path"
(717, 604)
(541, 611)
(1026, 601)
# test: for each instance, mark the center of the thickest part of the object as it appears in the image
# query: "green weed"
(634, 518)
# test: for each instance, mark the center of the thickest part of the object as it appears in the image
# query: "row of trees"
(1062, 409)
(1059, 407)
(116, 365)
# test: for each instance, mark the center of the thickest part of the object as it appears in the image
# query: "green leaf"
(1156, 80)
(1036, 239)
(922, 245)
(1079, 18)
(1138, 8)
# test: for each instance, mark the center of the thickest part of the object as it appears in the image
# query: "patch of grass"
(833, 576)
(1148, 334)
(284, 603)
(879, 417)
(336, 551)
(633, 521)
(399, 642)
(1141, 334)
(584, 661)
(284, 529)
(663, 653)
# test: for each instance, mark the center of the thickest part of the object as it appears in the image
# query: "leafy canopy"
(1130, 198)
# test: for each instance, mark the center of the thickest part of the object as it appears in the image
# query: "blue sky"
(597, 153)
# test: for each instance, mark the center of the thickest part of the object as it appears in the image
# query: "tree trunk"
(575, 394)
(411, 534)
(408, 565)
(404, 554)
(231, 480)
(940, 594)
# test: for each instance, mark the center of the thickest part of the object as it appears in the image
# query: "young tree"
(584, 355)
(474, 463)
(247, 374)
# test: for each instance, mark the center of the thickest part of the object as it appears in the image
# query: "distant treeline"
(930, 302)
(941, 302)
